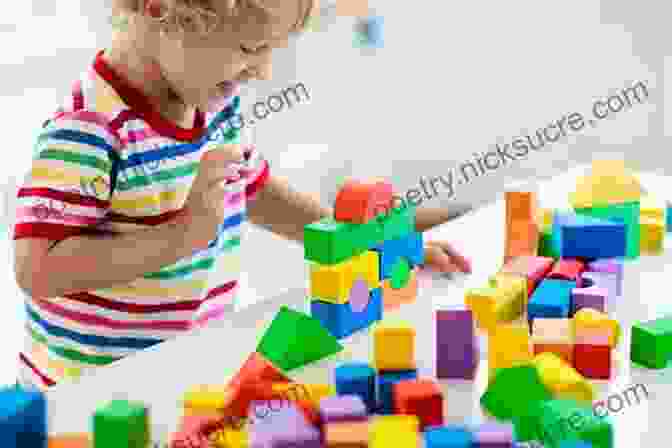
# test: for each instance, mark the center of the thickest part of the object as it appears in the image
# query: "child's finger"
(437, 259)
(463, 263)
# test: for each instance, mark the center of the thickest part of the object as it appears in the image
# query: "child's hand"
(441, 256)
(204, 207)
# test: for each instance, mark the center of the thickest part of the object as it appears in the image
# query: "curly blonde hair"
(200, 16)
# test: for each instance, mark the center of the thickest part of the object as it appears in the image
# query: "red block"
(422, 398)
(568, 269)
(257, 369)
(593, 361)
(359, 202)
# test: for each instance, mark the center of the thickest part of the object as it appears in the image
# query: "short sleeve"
(68, 189)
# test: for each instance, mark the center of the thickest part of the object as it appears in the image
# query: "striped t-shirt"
(107, 162)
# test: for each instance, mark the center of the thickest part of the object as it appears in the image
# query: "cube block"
(651, 343)
(340, 318)
(554, 336)
(121, 423)
(504, 397)
(399, 431)
(562, 380)
(503, 300)
(592, 297)
(386, 382)
(422, 398)
(611, 275)
(409, 246)
(552, 298)
(590, 323)
(448, 437)
(583, 235)
(593, 360)
(546, 246)
(357, 379)
(457, 349)
(23, 418)
(621, 214)
(533, 268)
(358, 202)
(394, 345)
(652, 235)
(394, 298)
(509, 345)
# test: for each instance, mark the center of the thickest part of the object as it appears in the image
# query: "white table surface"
(160, 375)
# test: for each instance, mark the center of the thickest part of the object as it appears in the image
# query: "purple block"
(457, 351)
(590, 297)
(280, 425)
(609, 266)
(494, 435)
(604, 280)
(341, 408)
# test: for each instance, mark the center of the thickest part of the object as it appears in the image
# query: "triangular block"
(295, 339)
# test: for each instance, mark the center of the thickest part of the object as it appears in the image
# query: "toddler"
(116, 257)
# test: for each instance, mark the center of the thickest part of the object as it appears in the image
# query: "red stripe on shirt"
(44, 378)
(64, 196)
(259, 182)
(136, 308)
(77, 96)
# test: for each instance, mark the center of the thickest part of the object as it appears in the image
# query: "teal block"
(627, 213)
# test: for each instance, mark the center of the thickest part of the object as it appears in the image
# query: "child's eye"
(256, 50)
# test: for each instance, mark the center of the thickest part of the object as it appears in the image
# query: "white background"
(452, 80)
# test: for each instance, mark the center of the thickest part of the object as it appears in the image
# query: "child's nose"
(264, 71)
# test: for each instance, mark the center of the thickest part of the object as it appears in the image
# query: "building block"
(509, 345)
(610, 269)
(73, 440)
(409, 246)
(350, 434)
(257, 368)
(448, 437)
(545, 219)
(286, 427)
(567, 269)
(121, 423)
(504, 397)
(564, 421)
(552, 298)
(457, 348)
(627, 214)
(590, 323)
(399, 431)
(669, 217)
(227, 437)
(358, 202)
(23, 418)
(206, 399)
(401, 273)
(546, 246)
(422, 398)
(494, 435)
(304, 392)
(329, 242)
(503, 300)
(295, 339)
(554, 336)
(521, 206)
(652, 207)
(386, 382)
(562, 380)
(398, 223)
(590, 295)
(592, 358)
(357, 379)
(394, 298)
(652, 235)
(333, 283)
(582, 235)
(342, 408)
(522, 238)
(608, 183)
(533, 268)
(394, 345)
(342, 321)
(651, 343)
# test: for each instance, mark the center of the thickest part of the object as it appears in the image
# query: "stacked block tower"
(364, 259)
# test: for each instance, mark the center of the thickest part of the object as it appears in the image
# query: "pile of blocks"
(364, 259)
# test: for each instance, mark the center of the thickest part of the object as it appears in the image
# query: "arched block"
(358, 202)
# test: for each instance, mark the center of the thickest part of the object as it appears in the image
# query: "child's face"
(201, 69)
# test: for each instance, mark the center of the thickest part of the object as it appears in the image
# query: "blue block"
(23, 418)
(552, 298)
(448, 437)
(582, 236)
(669, 216)
(410, 247)
(386, 382)
(357, 379)
(342, 321)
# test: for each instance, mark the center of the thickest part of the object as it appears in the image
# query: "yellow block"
(503, 300)
(299, 391)
(545, 219)
(651, 235)
(332, 283)
(609, 182)
(229, 438)
(205, 398)
(398, 431)
(509, 345)
(394, 345)
(561, 379)
(589, 322)
(652, 207)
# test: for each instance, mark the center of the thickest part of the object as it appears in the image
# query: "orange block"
(521, 206)
(347, 435)
(359, 202)
(394, 298)
(522, 239)
(74, 440)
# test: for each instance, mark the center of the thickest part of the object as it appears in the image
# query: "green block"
(505, 399)
(651, 343)
(546, 247)
(401, 272)
(295, 339)
(526, 423)
(398, 222)
(121, 423)
(569, 421)
(627, 213)
(329, 241)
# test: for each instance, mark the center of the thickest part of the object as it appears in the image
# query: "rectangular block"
(509, 345)
(628, 214)
(582, 235)
(329, 242)
(503, 300)
(652, 235)
(457, 350)
(592, 297)
(340, 318)
(522, 239)
(533, 268)
(399, 431)
(349, 434)
(546, 246)
(611, 271)
(386, 382)
(23, 418)
(494, 435)
(333, 283)
(521, 206)
(342, 408)
(552, 298)
(394, 345)
(409, 246)
(394, 298)
(651, 343)
(448, 437)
